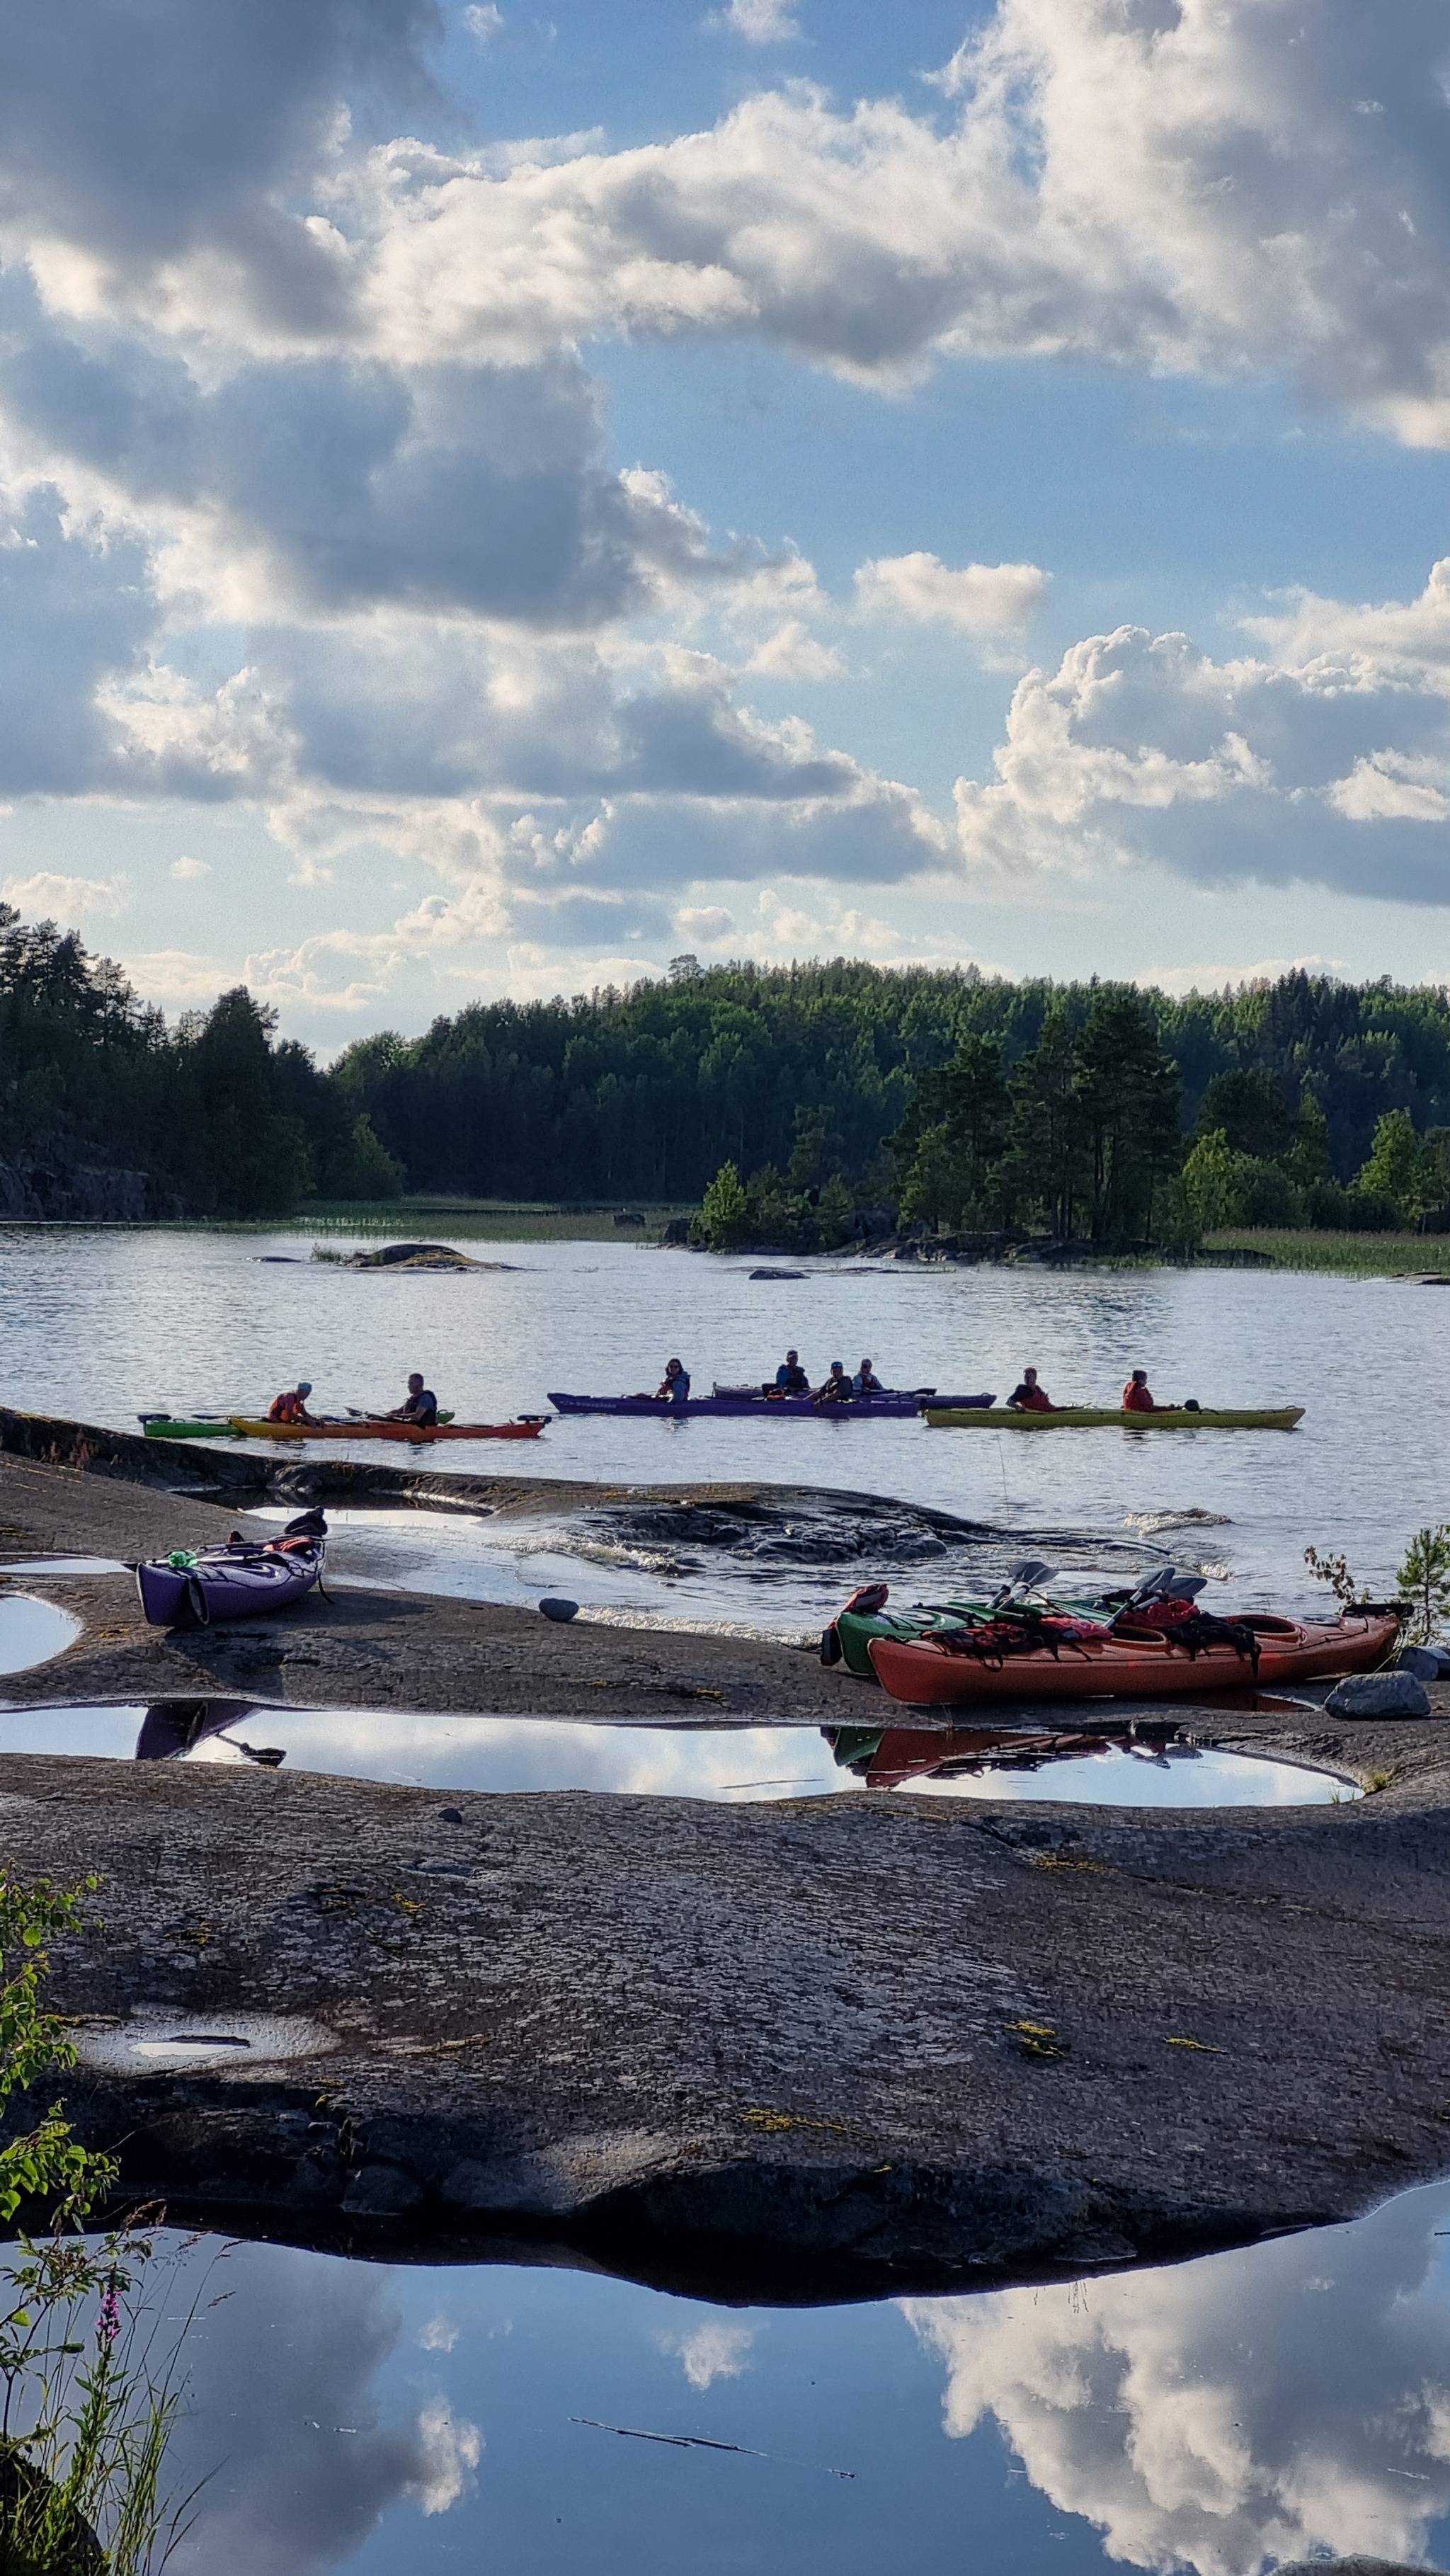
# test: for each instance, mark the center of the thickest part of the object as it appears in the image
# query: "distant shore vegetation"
(799, 1107)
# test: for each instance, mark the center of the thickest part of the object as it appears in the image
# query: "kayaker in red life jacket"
(1136, 1398)
(675, 1388)
(421, 1406)
(866, 1381)
(1029, 1397)
(292, 1407)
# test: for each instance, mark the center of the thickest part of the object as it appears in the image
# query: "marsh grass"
(1354, 1256)
(93, 2384)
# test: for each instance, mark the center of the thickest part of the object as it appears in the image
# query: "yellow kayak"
(1093, 1417)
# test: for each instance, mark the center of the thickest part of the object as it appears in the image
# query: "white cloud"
(1324, 757)
(707, 921)
(761, 22)
(190, 871)
(793, 653)
(440, 2334)
(450, 2450)
(71, 899)
(484, 20)
(978, 598)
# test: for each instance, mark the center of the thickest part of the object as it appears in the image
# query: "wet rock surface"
(827, 2047)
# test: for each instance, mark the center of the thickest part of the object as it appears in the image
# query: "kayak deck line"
(1091, 1417)
(738, 1405)
(411, 1432)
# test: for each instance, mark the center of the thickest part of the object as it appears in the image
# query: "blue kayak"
(738, 1405)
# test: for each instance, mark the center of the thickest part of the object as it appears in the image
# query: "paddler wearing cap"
(292, 1406)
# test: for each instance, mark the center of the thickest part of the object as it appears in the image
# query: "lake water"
(1218, 2417)
(105, 1325)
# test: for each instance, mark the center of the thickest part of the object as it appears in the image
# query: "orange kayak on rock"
(970, 1665)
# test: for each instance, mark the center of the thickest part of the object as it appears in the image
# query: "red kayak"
(527, 1427)
(1147, 1656)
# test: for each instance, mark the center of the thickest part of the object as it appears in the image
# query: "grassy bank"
(1356, 1256)
(481, 1220)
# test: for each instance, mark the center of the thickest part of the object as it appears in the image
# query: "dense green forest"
(219, 1117)
(942, 1097)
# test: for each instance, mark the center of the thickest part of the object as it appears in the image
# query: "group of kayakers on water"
(837, 1387)
(419, 1406)
(1030, 1397)
(840, 1387)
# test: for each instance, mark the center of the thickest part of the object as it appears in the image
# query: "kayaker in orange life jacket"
(1136, 1398)
(292, 1406)
(1029, 1397)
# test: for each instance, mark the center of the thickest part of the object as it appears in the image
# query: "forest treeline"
(943, 1097)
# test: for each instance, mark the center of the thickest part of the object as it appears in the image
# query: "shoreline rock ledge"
(821, 2049)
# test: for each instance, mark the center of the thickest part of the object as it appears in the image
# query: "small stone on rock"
(555, 1608)
(450, 1815)
(1378, 1695)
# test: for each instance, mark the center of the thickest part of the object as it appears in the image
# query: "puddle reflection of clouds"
(1216, 2418)
(284, 2423)
(1229, 2414)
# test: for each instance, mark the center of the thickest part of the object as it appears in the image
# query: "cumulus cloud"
(1203, 2418)
(761, 22)
(484, 20)
(295, 371)
(978, 598)
(190, 871)
(1323, 756)
(71, 899)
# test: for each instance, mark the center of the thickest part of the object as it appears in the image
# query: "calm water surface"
(1217, 2417)
(105, 1325)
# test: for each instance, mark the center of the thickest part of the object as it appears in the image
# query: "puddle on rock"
(31, 1632)
(151, 2042)
(1285, 2403)
(1082, 1770)
(67, 1565)
(733, 1764)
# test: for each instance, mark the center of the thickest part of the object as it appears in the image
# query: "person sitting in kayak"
(866, 1381)
(837, 1388)
(1029, 1397)
(790, 1377)
(676, 1386)
(1136, 1398)
(292, 1406)
(420, 1408)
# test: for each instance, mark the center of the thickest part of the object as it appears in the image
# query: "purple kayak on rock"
(238, 1580)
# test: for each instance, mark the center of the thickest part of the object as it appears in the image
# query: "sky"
(491, 500)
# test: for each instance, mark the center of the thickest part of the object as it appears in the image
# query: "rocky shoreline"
(822, 2048)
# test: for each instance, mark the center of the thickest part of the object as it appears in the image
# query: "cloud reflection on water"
(283, 2420)
(1228, 2414)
